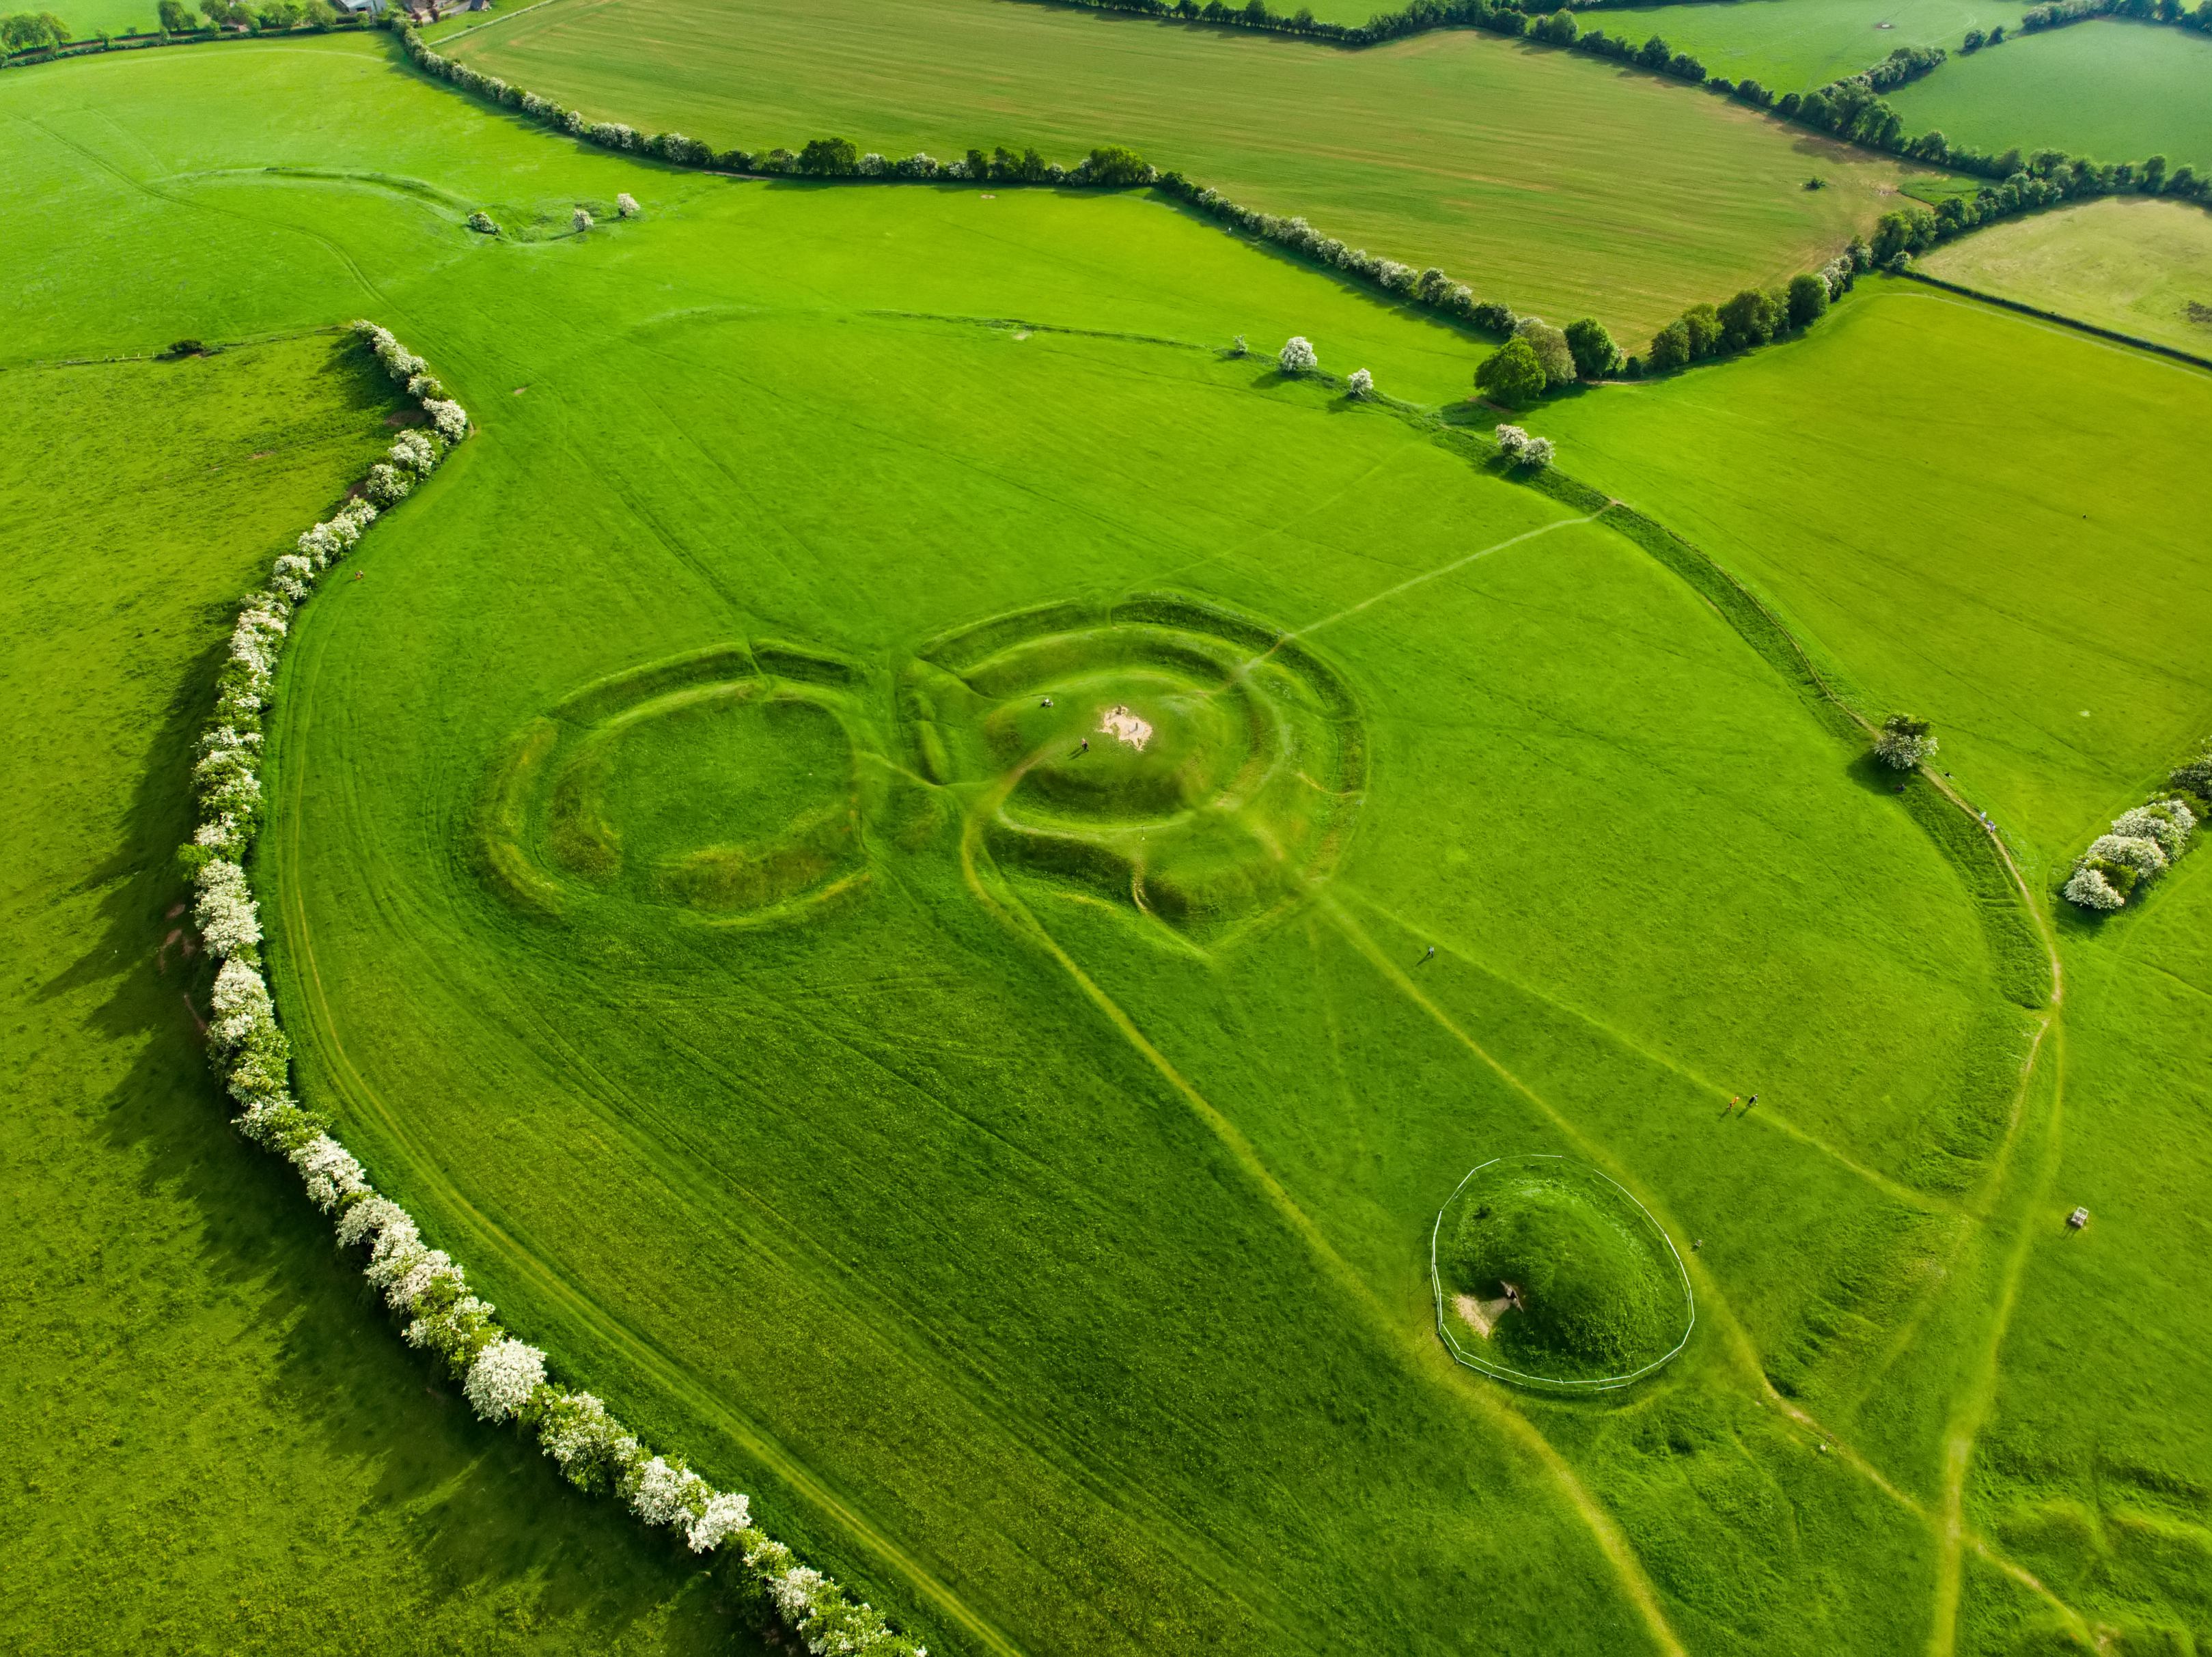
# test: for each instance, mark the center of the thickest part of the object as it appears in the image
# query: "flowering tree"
(503, 1377)
(581, 219)
(2168, 821)
(447, 418)
(1512, 439)
(1903, 742)
(1297, 356)
(1536, 452)
(2144, 855)
(626, 205)
(1361, 385)
(388, 486)
(2091, 890)
(413, 451)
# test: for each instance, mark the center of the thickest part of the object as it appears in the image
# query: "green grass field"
(2055, 709)
(1791, 45)
(2118, 91)
(1454, 148)
(215, 1446)
(1017, 1172)
(2125, 263)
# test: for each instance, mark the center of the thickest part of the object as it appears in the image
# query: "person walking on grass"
(1431, 955)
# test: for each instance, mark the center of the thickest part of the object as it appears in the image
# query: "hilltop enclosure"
(933, 862)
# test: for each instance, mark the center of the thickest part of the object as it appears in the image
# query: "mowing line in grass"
(1429, 575)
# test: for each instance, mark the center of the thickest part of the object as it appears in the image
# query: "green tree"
(1512, 375)
(1747, 320)
(1670, 347)
(1551, 348)
(1808, 301)
(178, 19)
(1903, 742)
(829, 158)
(1595, 355)
(1703, 324)
(26, 31)
(1115, 167)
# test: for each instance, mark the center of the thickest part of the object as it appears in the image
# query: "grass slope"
(1954, 563)
(2125, 263)
(2119, 91)
(1455, 149)
(215, 1443)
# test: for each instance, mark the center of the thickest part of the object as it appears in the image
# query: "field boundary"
(2026, 310)
(504, 1378)
(1772, 638)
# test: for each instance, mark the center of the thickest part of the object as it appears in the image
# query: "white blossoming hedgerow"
(388, 486)
(723, 1517)
(588, 1444)
(794, 1591)
(1298, 355)
(451, 1328)
(501, 1379)
(504, 1378)
(413, 451)
(450, 420)
(2144, 855)
(661, 1494)
(366, 1220)
(225, 912)
(2167, 822)
(328, 1171)
(2091, 890)
(1362, 384)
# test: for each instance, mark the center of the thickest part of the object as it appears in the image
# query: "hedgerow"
(502, 1377)
(2145, 839)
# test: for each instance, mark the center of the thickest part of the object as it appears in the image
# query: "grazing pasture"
(1455, 148)
(1793, 46)
(1017, 1172)
(213, 1444)
(2140, 267)
(1944, 562)
(2117, 90)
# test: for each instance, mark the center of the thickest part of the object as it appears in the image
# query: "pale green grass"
(1557, 184)
(2114, 90)
(1792, 45)
(2125, 263)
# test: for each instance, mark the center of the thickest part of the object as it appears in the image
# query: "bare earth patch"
(1482, 1316)
(1119, 722)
